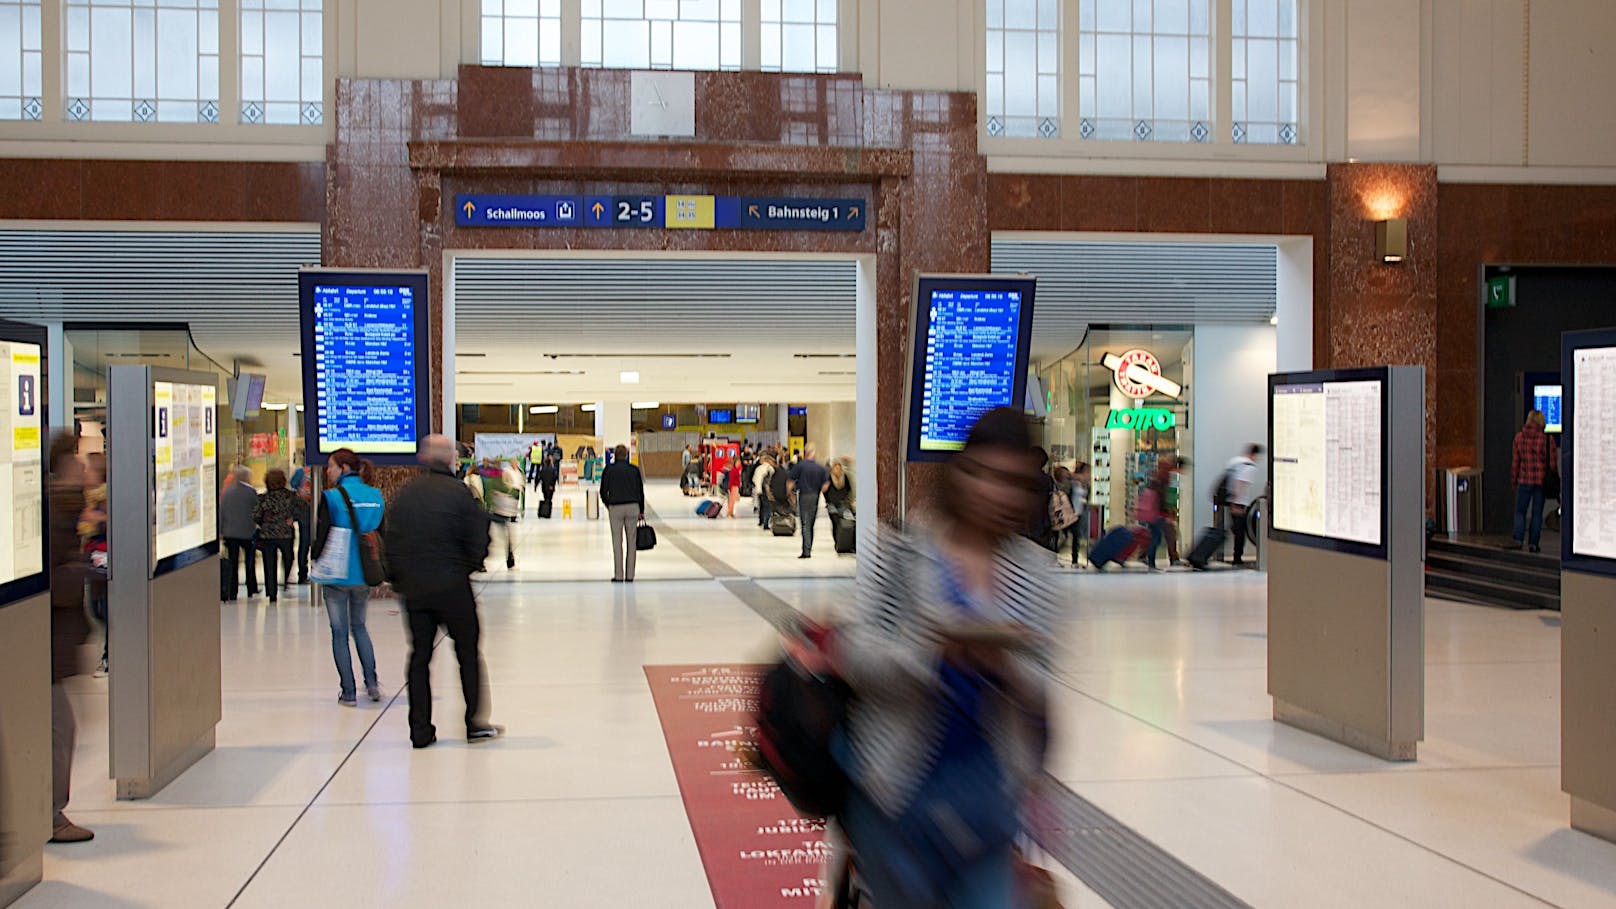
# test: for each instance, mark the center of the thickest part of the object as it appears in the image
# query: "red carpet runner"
(759, 854)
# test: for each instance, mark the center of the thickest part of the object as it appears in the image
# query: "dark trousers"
(305, 537)
(455, 610)
(1529, 499)
(277, 560)
(234, 551)
(1158, 532)
(807, 512)
(1237, 527)
(549, 492)
(765, 511)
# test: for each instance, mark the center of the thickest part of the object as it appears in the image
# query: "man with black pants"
(1242, 490)
(810, 480)
(436, 536)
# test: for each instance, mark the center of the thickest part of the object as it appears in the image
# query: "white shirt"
(1242, 481)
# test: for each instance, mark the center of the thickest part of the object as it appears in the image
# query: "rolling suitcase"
(545, 509)
(1118, 545)
(1207, 545)
(783, 525)
(846, 535)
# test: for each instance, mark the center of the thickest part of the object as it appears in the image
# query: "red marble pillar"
(1382, 313)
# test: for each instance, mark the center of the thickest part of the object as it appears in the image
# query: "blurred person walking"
(349, 509)
(1239, 489)
(237, 530)
(276, 515)
(947, 655)
(69, 626)
(93, 540)
(810, 481)
(302, 484)
(840, 497)
(437, 537)
(501, 500)
(762, 479)
(622, 490)
(1152, 511)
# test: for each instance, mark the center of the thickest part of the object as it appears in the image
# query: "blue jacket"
(367, 503)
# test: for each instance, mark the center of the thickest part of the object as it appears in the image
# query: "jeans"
(1158, 531)
(345, 607)
(765, 511)
(624, 522)
(456, 610)
(888, 872)
(305, 538)
(234, 550)
(807, 512)
(1529, 498)
(277, 560)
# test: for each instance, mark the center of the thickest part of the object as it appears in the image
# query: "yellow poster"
(689, 212)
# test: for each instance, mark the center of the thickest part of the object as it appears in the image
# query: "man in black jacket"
(622, 490)
(436, 536)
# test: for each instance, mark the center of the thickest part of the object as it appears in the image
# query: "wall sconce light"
(1391, 239)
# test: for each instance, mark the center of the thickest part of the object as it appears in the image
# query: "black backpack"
(800, 708)
(778, 487)
(1220, 495)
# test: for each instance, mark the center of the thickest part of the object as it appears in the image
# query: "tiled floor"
(1162, 721)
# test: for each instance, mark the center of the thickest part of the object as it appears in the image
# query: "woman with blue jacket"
(346, 593)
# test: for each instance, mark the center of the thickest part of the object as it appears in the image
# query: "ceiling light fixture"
(587, 408)
(645, 405)
(629, 377)
(1273, 319)
(544, 408)
(274, 407)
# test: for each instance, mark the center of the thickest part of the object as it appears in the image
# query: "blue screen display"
(363, 363)
(971, 363)
(1548, 399)
(720, 416)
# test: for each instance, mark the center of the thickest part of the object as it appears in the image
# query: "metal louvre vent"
(593, 305)
(1082, 283)
(236, 289)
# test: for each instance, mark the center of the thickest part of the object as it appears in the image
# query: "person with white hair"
(237, 528)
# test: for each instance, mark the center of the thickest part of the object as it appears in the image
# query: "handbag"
(1061, 513)
(644, 537)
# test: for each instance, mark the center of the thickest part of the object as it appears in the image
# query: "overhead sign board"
(672, 212)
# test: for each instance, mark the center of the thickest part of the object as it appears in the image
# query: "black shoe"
(805, 556)
(1514, 545)
(1537, 549)
(617, 580)
(484, 734)
(424, 743)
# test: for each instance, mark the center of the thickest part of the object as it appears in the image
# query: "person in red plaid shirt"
(1531, 461)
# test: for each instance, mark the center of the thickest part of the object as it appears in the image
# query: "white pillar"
(783, 423)
(1294, 287)
(614, 422)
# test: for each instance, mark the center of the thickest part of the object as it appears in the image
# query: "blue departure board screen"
(970, 356)
(365, 363)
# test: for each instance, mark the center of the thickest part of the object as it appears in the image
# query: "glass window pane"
(528, 33)
(1146, 68)
(1023, 68)
(1265, 51)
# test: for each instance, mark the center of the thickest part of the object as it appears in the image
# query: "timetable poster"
(1594, 453)
(22, 547)
(1327, 460)
(185, 422)
(970, 364)
(365, 368)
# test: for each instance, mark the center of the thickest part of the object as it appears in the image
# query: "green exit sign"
(1501, 292)
(1139, 419)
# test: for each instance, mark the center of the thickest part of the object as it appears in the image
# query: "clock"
(663, 104)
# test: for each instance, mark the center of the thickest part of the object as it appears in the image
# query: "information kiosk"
(163, 581)
(25, 618)
(1346, 597)
(1588, 581)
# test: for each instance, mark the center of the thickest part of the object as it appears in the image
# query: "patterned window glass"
(282, 62)
(1265, 56)
(1023, 91)
(143, 61)
(799, 36)
(1144, 70)
(662, 34)
(20, 62)
(521, 33)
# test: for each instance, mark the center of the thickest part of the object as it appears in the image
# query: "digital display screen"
(365, 363)
(748, 413)
(1593, 453)
(797, 410)
(184, 451)
(670, 421)
(1547, 399)
(970, 346)
(720, 416)
(1328, 447)
(22, 467)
